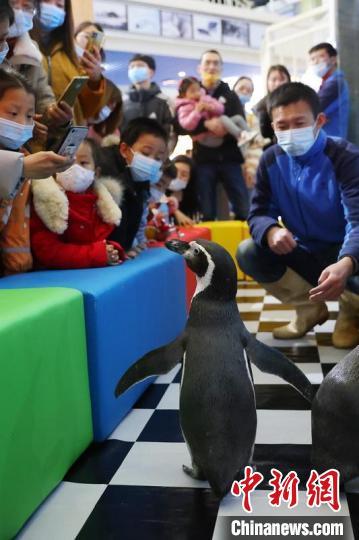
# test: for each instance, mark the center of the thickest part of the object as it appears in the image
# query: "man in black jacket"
(144, 98)
(222, 163)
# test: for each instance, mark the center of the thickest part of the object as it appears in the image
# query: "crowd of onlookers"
(285, 165)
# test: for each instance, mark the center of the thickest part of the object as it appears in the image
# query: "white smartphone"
(72, 140)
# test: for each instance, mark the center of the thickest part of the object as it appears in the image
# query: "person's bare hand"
(249, 178)
(280, 240)
(44, 164)
(91, 62)
(215, 126)
(332, 281)
(112, 255)
(59, 114)
(201, 106)
(40, 130)
(183, 220)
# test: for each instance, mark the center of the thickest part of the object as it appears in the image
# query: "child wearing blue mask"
(6, 20)
(138, 164)
(17, 109)
(22, 53)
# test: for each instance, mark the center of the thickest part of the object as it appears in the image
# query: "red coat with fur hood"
(69, 230)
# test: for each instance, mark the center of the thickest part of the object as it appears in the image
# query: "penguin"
(335, 419)
(217, 407)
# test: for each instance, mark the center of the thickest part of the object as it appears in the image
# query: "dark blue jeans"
(265, 266)
(230, 174)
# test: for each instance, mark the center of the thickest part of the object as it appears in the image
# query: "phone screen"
(95, 39)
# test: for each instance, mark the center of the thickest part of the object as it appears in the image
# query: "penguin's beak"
(177, 246)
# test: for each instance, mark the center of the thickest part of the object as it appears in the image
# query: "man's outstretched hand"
(332, 281)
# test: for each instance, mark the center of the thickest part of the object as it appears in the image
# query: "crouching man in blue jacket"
(304, 218)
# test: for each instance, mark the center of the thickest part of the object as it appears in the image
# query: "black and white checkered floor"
(132, 485)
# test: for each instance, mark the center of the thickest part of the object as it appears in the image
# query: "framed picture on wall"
(256, 35)
(111, 14)
(207, 28)
(144, 20)
(235, 32)
(176, 24)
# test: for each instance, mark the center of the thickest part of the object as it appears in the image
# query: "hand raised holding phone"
(59, 114)
(91, 63)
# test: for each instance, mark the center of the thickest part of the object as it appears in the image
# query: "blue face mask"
(51, 16)
(138, 74)
(103, 114)
(145, 169)
(13, 135)
(23, 23)
(320, 69)
(296, 142)
(3, 52)
(244, 98)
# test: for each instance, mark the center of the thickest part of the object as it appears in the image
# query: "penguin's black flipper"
(157, 362)
(274, 362)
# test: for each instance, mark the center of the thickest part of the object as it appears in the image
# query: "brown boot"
(291, 288)
(346, 332)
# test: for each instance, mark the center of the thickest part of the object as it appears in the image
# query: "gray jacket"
(150, 103)
(27, 60)
(11, 173)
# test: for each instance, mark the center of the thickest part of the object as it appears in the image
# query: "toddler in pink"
(194, 105)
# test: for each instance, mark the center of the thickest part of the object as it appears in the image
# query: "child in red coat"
(73, 215)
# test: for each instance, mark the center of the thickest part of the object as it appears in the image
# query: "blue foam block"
(129, 310)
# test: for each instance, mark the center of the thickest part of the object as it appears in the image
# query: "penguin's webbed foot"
(194, 472)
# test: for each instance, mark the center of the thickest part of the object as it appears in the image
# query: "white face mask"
(76, 178)
(177, 185)
(79, 50)
(145, 169)
(296, 142)
(320, 69)
(103, 114)
(23, 23)
(3, 52)
(51, 16)
(13, 135)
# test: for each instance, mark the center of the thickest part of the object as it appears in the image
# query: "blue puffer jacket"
(334, 102)
(316, 195)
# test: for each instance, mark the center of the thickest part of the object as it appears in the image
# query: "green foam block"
(45, 412)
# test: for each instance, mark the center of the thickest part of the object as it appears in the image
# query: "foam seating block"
(129, 310)
(45, 411)
(229, 234)
(188, 234)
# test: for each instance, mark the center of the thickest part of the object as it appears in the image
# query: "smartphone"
(95, 39)
(73, 89)
(72, 140)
